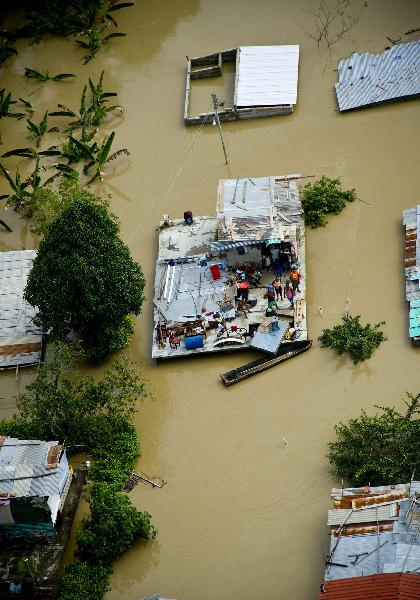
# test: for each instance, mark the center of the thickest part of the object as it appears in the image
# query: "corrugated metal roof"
(25, 470)
(258, 209)
(20, 339)
(367, 515)
(395, 586)
(266, 75)
(366, 79)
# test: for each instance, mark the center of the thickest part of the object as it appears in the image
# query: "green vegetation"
(5, 104)
(45, 76)
(83, 581)
(96, 417)
(324, 197)
(45, 205)
(37, 131)
(84, 281)
(93, 110)
(352, 337)
(112, 526)
(88, 21)
(381, 449)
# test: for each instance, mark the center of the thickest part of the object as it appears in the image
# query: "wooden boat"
(285, 352)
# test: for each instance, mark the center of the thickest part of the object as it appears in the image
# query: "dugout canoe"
(286, 351)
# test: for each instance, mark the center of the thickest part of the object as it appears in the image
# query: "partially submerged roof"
(31, 467)
(368, 79)
(374, 530)
(411, 222)
(258, 209)
(266, 75)
(20, 339)
(384, 586)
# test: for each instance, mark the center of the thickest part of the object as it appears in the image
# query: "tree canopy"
(378, 449)
(84, 280)
(112, 526)
(324, 197)
(352, 337)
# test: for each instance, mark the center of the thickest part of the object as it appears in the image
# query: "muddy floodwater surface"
(243, 515)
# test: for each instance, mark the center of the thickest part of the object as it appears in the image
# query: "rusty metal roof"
(384, 586)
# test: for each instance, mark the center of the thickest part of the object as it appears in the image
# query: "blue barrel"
(194, 341)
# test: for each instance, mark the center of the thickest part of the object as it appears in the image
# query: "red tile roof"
(384, 586)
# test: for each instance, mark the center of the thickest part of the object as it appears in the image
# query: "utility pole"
(216, 116)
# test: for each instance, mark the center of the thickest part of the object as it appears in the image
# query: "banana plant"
(31, 152)
(5, 104)
(19, 188)
(70, 149)
(45, 76)
(98, 156)
(29, 109)
(94, 40)
(37, 131)
(6, 45)
(92, 113)
(5, 225)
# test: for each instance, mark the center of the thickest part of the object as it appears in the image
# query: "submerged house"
(34, 481)
(21, 341)
(266, 79)
(370, 79)
(374, 543)
(214, 275)
(411, 223)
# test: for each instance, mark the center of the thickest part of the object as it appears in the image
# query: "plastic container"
(274, 325)
(194, 341)
(215, 271)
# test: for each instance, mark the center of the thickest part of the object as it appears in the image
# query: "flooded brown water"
(243, 515)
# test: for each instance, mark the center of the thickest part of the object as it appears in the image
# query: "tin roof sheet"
(367, 79)
(27, 468)
(266, 75)
(20, 339)
(395, 586)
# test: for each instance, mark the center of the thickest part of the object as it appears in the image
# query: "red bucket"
(215, 271)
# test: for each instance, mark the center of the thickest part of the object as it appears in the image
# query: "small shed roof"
(31, 467)
(266, 75)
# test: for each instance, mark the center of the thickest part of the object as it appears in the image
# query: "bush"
(382, 449)
(352, 337)
(84, 280)
(83, 581)
(324, 197)
(45, 205)
(112, 526)
(95, 416)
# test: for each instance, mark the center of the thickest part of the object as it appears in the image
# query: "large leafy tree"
(379, 449)
(112, 526)
(84, 281)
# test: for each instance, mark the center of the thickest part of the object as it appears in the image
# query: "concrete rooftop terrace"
(186, 292)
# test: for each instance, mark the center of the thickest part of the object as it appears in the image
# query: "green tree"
(83, 581)
(94, 416)
(378, 449)
(324, 197)
(352, 337)
(112, 526)
(45, 205)
(84, 281)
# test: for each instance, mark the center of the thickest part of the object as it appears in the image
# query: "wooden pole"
(216, 116)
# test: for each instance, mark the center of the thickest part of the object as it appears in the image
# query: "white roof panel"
(267, 75)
